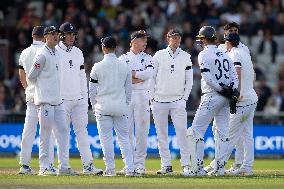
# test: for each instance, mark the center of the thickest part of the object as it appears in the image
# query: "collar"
(133, 54)
(110, 55)
(38, 42)
(172, 54)
(210, 46)
(64, 47)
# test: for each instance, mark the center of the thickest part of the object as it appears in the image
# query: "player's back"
(218, 64)
(111, 74)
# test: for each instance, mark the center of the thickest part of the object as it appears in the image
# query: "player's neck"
(134, 50)
(173, 49)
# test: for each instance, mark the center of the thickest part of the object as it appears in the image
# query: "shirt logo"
(172, 68)
(37, 66)
(70, 63)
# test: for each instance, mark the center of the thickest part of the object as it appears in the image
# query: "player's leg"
(179, 118)
(61, 131)
(142, 124)
(105, 125)
(28, 136)
(46, 121)
(121, 129)
(160, 114)
(195, 134)
(52, 142)
(221, 125)
(246, 168)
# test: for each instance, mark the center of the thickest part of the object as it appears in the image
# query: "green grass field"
(267, 174)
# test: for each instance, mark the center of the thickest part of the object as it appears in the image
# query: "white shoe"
(201, 172)
(46, 172)
(122, 171)
(165, 170)
(186, 172)
(67, 172)
(109, 173)
(90, 169)
(26, 170)
(53, 169)
(242, 172)
(140, 171)
(208, 168)
(233, 168)
(132, 174)
(217, 173)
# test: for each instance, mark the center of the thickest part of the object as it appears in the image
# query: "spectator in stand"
(268, 46)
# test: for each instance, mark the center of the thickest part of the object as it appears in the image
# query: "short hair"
(231, 25)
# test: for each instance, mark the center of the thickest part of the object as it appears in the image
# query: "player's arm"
(22, 74)
(188, 79)
(93, 86)
(152, 82)
(83, 79)
(207, 75)
(148, 72)
(128, 87)
(236, 61)
(37, 67)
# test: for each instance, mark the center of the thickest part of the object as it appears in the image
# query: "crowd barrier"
(268, 139)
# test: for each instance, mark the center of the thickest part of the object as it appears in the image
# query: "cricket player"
(110, 95)
(232, 27)
(74, 93)
(45, 74)
(218, 84)
(241, 123)
(170, 89)
(142, 68)
(31, 119)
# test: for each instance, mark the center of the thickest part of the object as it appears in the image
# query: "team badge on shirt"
(70, 63)
(37, 66)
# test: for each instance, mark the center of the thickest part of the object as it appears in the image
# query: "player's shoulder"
(146, 55)
(124, 56)
(160, 52)
(76, 49)
(184, 53)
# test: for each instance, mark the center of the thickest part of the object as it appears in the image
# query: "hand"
(133, 75)
(134, 81)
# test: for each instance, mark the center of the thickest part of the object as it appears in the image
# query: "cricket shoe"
(233, 168)
(140, 170)
(46, 172)
(201, 172)
(186, 172)
(109, 173)
(165, 170)
(217, 173)
(90, 169)
(242, 172)
(53, 169)
(208, 168)
(67, 172)
(121, 172)
(132, 174)
(26, 170)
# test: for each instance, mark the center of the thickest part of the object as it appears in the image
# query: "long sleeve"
(93, 85)
(153, 79)
(128, 87)
(37, 67)
(148, 72)
(233, 75)
(188, 82)
(83, 82)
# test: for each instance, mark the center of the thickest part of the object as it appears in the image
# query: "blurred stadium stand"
(261, 21)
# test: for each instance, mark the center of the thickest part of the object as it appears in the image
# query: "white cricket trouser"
(139, 121)
(105, 126)
(161, 111)
(212, 106)
(29, 133)
(77, 113)
(241, 126)
(53, 118)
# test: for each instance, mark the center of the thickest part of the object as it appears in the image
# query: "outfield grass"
(267, 174)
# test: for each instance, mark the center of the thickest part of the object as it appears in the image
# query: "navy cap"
(173, 32)
(38, 30)
(109, 42)
(139, 34)
(67, 28)
(50, 29)
(233, 37)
